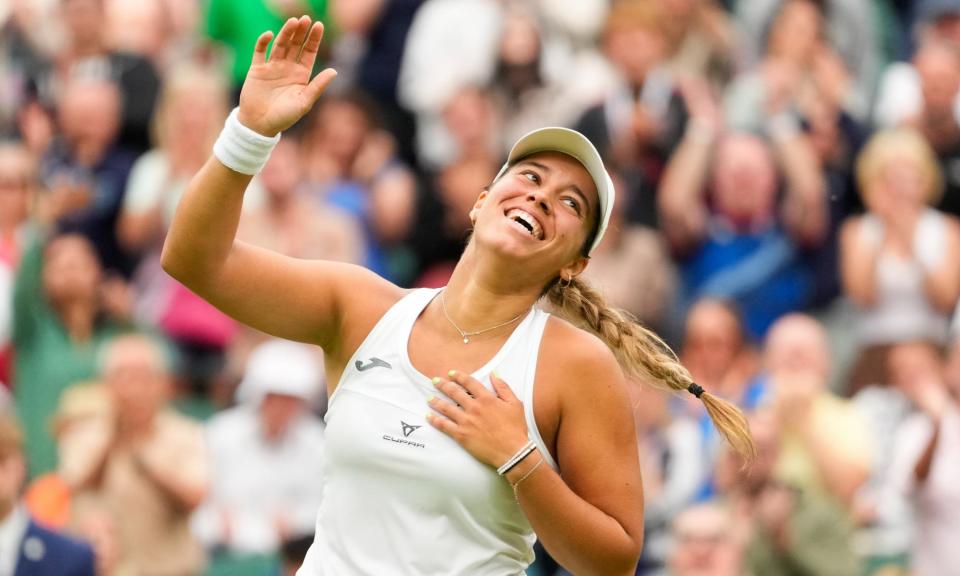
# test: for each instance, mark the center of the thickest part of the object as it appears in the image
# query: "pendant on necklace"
(466, 340)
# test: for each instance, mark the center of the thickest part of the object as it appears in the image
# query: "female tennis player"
(462, 421)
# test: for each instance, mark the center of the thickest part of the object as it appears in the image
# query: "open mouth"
(527, 221)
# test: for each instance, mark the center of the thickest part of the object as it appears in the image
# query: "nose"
(539, 200)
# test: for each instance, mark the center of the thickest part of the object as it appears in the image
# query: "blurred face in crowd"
(469, 117)
(938, 65)
(797, 344)
(89, 113)
(84, 20)
(458, 185)
(634, 42)
(138, 27)
(17, 181)
(136, 376)
(712, 340)
(342, 126)
(192, 112)
(278, 412)
(744, 179)
(703, 543)
(756, 476)
(900, 184)
(912, 362)
(796, 31)
(520, 39)
(281, 175)
(71, 270)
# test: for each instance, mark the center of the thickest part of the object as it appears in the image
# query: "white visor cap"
(577, 146)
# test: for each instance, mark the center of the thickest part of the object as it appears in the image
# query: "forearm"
(205, 224)
(921, 470)
(186, 493)
(842, 475)
(805, 208)
(581, 537)
(858, 263)
(680, 197)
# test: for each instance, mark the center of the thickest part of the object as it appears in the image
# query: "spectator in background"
(150, 472)
(267, 455)
(350, 164)
(291, 222)
(924, 470)
(87, 53)
(673, 467)
(84, 171)
(190, 113)
(798, 70)
(924, 94)
(899, 259)
(25, 52)
(381, 27)
(848, 27)
(704, 544)
(719, 354)
(237, 25)
(701, 40)
(788, 528)
(18, 189)
(640, 121)
(64, 311)
(26, 547)
(645, 286)
(825, 443)
(721, 216)
(883, 515)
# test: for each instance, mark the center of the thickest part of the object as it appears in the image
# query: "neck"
(482, 293)
(78, 319)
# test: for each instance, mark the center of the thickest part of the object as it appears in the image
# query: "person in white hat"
(267, 455)
(463, 423)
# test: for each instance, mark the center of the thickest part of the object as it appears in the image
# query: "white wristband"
(241, 149)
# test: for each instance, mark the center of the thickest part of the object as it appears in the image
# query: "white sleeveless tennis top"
(401, 497)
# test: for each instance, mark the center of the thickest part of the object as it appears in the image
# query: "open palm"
(278, 91)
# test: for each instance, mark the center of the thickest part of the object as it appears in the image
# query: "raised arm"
(681, 198)
(295, 299)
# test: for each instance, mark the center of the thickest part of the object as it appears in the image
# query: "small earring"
(565, 282)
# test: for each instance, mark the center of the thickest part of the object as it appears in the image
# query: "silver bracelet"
(522, 453)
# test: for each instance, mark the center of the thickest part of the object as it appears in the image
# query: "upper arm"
(596, 444)
(856, 269)
(312, 301)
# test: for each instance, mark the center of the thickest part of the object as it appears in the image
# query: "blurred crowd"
(788, 179)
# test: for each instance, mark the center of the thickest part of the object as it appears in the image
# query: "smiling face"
(541, 211)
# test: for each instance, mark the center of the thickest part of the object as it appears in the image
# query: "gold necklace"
(467, 335)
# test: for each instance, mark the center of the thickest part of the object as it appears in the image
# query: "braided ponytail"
(644, 355)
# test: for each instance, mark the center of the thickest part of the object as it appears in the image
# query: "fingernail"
(436, 380)
(431, 399)
(452, 373)
(496, 375)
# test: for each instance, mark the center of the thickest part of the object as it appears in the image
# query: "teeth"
(531, 223)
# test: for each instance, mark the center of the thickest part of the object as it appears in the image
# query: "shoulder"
(579, 364)
(43, 545)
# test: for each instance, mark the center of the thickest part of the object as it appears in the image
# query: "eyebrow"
(545, 168)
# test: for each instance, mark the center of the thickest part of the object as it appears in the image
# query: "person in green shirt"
(63, 311)
(237, 25)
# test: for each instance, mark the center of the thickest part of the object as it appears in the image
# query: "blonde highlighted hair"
(898, 144)
(644, 355)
